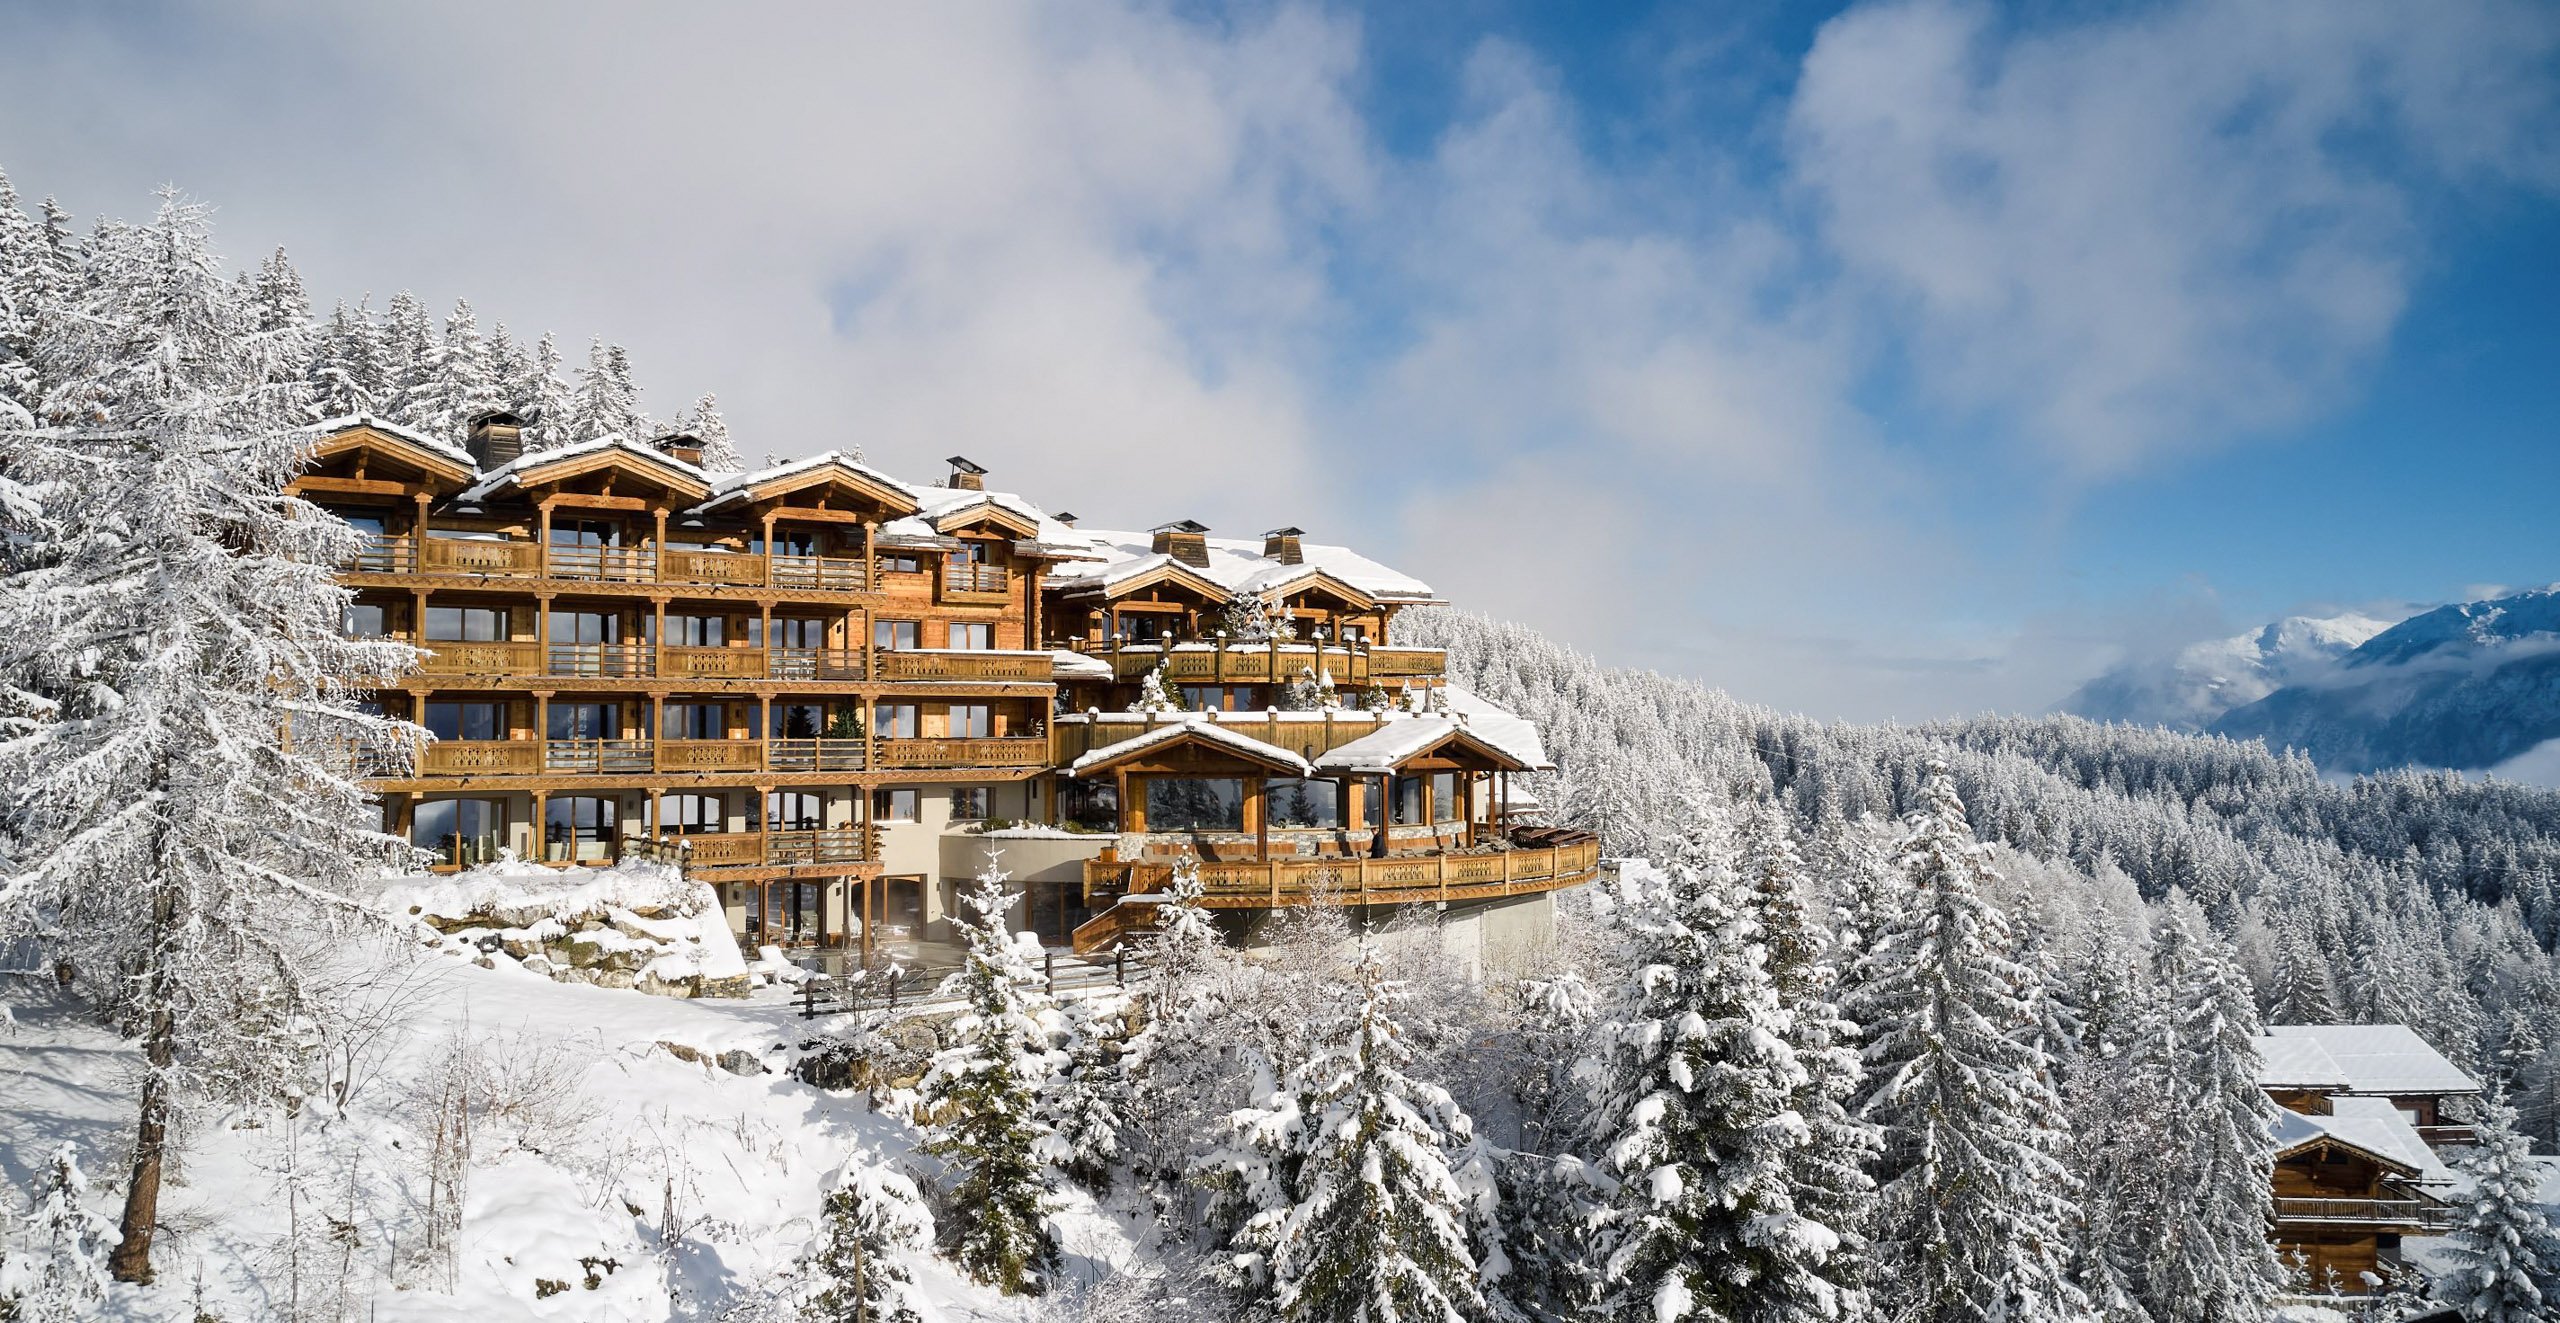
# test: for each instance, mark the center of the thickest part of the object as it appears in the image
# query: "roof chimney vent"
(496, 438)
(682, 447)
(1065, 517)
(1281, 544)
(1186, 540)
(966, 476)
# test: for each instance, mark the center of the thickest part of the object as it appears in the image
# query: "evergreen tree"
(410, 392)
(703, 422)
(61, 1277)
(1975, 1201)
(606, 403)
(870, 1222)
(543, 398)
(1378, 1225)
(2301, 993)
(347, 375)
(984, 1097)
(182, 618)
(1156, 693)
(1086, 1100)
(466, 380)
(2505, 1256)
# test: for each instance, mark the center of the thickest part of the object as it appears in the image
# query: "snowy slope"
(700, 1185)
(2190, 689)
(2472, 685)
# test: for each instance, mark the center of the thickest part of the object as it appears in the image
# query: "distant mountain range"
(2475, 686)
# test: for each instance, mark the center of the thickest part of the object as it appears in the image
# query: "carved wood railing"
(600, 757)
(833, 574)
(773, 849)
(603, 564)
(710, 755)
(480, 758)
(999, 751)
(965, 664)
(602, 660)
(1271, 662)
(1363, 881)
(448, 555)
(820, 755)
(2425, 1214)
(516, 558)
(690, 663)
(968, 579)
(728, 567)
(814, 663)
(477, 658)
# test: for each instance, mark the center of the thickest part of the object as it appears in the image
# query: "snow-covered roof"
(1396, 742)
(2368, 1125)
(1240, 566)
(498, 479)
(1192, 729)
(2382, 1058)
(2297, 1063)
(734, 486)
(935, 505)
(1498, 726)
(345, 422)
(1067, 665)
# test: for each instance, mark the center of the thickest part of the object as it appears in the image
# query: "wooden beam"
(319, 482)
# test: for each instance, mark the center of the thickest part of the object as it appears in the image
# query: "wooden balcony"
(446, 657)
(711, 755)
(729, 853)
(480, 758)
(2408, 1216)
(983, 584)
(999, 751)
(813, 664)
(1396, 880)
(1272, 662)
(966, 664)
(711, 663)
(478, 557)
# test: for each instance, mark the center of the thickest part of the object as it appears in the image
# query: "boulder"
(739, 1061)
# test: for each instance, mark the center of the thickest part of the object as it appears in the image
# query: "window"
(695, 721)
(789, 632)
(1140, 627)
(969, 553)
(901, 563)
(893, 721)
(578, 828)
(1093, 805)
(893, 805)
(1405, 798)
(794, 810)
(367, 620)
(1289, 801)
(692, 815)
(1181, 803)
(585, 721)
(896, 635)
(466, 624)
(1222, 698)
(801, 543)
(971, 721)
(798, 721)
(462, 832)
(585, 533)
(1351, 633)
(1446, 806)
(693, 631)
(371, 525)
(972, 803)
(975, 635)
(467, 721)
(585, 627)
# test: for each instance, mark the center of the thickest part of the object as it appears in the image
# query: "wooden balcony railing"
(710, 755)
(463, 658)
(965, 664)
(711, 663)
(480, 758)
(2414, 1214)
(1362, 881)
(967, 579)
(712, 851)
(612, 661)
(600, 757)
(814, 663)
(814, 755)
(403, 554)
(1272, 662)
(998, 751)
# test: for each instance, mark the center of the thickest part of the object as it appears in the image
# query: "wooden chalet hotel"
(829, 692)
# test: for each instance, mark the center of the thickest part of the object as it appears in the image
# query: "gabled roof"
(610, 449)
(2370, 1126)
(814, 470)
(941, 509)
(1283, 580)
(2382, 1058)
(1145, 572)
(1195, 730)
(2297, 1063)
(330, 429)
(1398, 742)
(1233, 563)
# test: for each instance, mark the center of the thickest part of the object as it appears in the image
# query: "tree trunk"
(131, 1261)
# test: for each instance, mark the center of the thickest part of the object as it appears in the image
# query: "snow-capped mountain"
(2191, 689)
(2472, 685)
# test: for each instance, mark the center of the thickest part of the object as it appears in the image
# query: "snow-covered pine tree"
(2208, 1258)
(60, 1274)
(276, 301)
(410, 395)
(607, 402)
(2505, 1257)
(542, 396)
(179, 627)
(703, 421)
(869, 1223)
(1694, 1115)
(1186, 940)
(2302, 976)
(346, 375)
(1157, 693)
(1247, 619)
(1086, 1100)
(1379, 1225)
(1828, 1174)
(984, 1096)
(1975, 1202)
(1302, 693)
(467, 383)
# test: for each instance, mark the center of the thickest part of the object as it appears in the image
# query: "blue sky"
(1878, 360)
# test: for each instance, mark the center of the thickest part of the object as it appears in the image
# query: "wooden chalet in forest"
(2367, 1106)
(830, 693)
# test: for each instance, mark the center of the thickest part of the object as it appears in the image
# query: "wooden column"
(658, 549)
(658, 635)
(541, 820)
(1258, 803)
(541, 729)
(542, 543)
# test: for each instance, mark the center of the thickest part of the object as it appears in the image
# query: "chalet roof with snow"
(2298, 1063)
(351, 422)
(942, 511)
(2387, 1059)
(1239, 566)
(1190, 732)
(833, 465)
(2371, 1126)
(610, 450)
(1399, 741)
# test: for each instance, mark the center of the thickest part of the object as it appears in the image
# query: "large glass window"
(1184, 803)
(1405, 794)
(895, 805)
(901, 562)
(692, 814)
(1141, 626)
(896, 635)
(798, 721)
(695, 721)
(972, 635)
(794, 810)
(466, 624)
(367, 620)
(585, 721)
(585, 533)
(585, 627)
(792, 632)
(1290, 801)
(462, 832)
(1093, 805)
(578, 827)
(694, 631)
(972, 803)
(1446, 804)
(467, 721)
(1222, 698)
(972, 721)
(893, 721)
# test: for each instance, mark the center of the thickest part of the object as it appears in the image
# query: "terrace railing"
(519, 558)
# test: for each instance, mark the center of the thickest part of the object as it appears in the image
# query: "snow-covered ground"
(678, 1187)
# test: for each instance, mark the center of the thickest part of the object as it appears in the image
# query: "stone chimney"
(1185, 540)
(1281, 544)
(683, 447)
(966, 476)
(495, 438)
